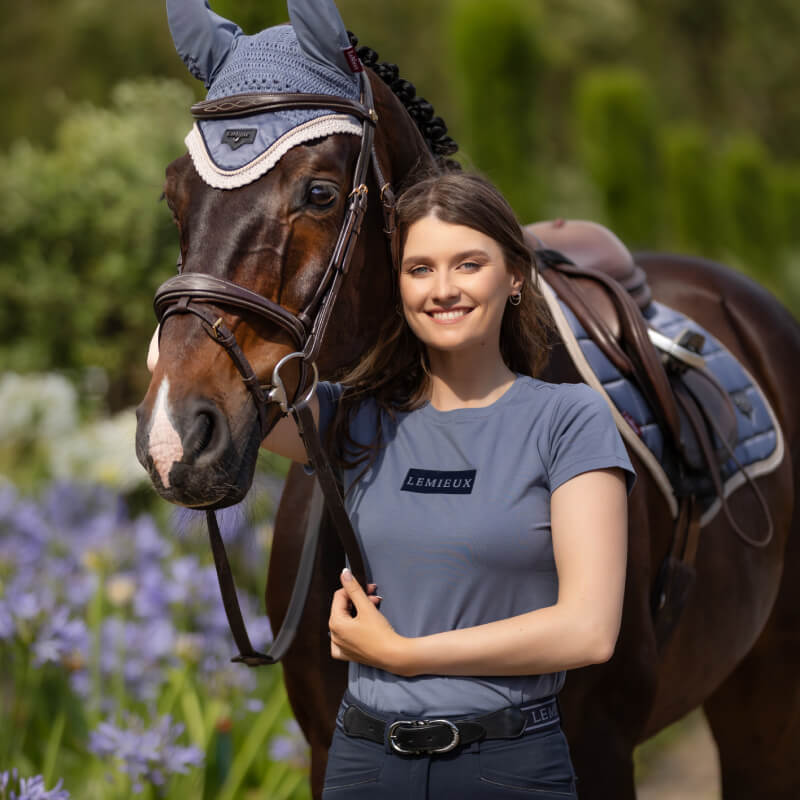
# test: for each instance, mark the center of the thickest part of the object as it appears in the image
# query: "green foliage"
(498, 52)
(750, 205)
(617, 130)
(84, 241)
(253, 15)
(690, 187)
(787, 184)
(56, 52)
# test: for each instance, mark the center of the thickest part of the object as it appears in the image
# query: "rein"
(190, 293)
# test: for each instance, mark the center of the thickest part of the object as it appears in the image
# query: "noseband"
(191, 293)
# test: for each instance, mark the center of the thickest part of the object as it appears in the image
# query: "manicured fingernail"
(347, 575)
(379, 597)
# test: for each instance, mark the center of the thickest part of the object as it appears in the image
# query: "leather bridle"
(192, 292)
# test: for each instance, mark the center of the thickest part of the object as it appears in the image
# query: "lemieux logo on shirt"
(437, 481)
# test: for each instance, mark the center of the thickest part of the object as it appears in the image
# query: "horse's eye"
(321, 195)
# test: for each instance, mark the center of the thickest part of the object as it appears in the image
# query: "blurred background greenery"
(675, 122)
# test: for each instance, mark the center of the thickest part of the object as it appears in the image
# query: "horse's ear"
(322, 34)
(202, 38)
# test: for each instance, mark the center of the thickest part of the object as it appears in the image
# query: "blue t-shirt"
(454, 521)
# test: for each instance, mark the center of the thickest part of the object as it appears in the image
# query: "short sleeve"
(583, 437)
(328, 395)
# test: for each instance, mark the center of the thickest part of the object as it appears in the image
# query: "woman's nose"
(445, 288)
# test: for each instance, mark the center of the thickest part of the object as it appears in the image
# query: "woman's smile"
(449, 316)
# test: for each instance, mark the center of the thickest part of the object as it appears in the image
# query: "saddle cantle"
(592, 245)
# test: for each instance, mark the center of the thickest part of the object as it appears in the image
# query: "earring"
(515, 299)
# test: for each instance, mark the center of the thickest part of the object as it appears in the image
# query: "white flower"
(41, 405)
(101, 452)
(120, 589)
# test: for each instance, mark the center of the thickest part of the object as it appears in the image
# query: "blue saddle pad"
(759, 444)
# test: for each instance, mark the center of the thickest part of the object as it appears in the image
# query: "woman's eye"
(420, 270)
(469, 266)
(321, 196)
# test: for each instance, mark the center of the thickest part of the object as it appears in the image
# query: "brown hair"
(395, 370)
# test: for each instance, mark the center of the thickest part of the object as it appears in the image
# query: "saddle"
(593, 272)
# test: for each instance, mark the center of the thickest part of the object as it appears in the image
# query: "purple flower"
(145, 754)
(291, 747)
(149, 542)
(7, 626)
(70, 505)
(61, 636)
(140, 650)
(152, 595)
(15, 788)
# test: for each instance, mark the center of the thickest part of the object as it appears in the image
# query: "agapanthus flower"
(290, 747)
(12, 787)
(60, 637)
(144, 754)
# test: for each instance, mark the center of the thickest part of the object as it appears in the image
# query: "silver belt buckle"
(422, 723)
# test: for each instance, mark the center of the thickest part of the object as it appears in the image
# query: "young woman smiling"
(491, 507)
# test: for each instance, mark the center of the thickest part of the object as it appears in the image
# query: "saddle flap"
(716, 407)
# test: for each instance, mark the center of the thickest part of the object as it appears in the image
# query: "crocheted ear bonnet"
(308, 56)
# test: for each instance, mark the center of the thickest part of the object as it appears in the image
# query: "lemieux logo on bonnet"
(437, 481)
(236, 137)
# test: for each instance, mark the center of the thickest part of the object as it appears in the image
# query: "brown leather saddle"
(608, 293)
(594, 274)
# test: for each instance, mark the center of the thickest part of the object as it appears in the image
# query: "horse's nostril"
(201, 433)
(199, 436)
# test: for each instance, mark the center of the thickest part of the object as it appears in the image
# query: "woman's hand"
(366, 637)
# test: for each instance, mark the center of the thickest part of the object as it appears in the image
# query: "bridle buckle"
(277, 394)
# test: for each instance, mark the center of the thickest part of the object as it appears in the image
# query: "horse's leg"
(314, 681)
(605, 707)
(755, 713)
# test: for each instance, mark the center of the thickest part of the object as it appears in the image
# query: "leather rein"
(191, 293)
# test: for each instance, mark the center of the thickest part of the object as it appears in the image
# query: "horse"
(736, 644)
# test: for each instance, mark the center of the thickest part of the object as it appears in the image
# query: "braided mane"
(432, 128)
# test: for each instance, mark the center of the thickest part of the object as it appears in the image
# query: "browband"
(242, 105)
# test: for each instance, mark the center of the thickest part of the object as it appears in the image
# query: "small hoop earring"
(515, 298)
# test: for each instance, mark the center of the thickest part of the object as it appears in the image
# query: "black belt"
(433, 736)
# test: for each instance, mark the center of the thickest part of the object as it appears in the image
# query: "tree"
(499, 57)
(84, 241)
(691, 190)
(617, 132)
(750, 207)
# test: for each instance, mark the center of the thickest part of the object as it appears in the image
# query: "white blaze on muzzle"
(165, 444)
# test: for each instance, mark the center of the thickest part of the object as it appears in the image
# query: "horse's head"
(264, 203)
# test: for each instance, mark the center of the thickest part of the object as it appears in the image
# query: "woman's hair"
(394, 372)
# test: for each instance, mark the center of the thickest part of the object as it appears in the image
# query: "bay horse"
(736, 646)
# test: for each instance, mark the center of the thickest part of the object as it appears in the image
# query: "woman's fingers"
(340, 604)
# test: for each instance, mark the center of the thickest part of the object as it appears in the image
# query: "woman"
(491, 507)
